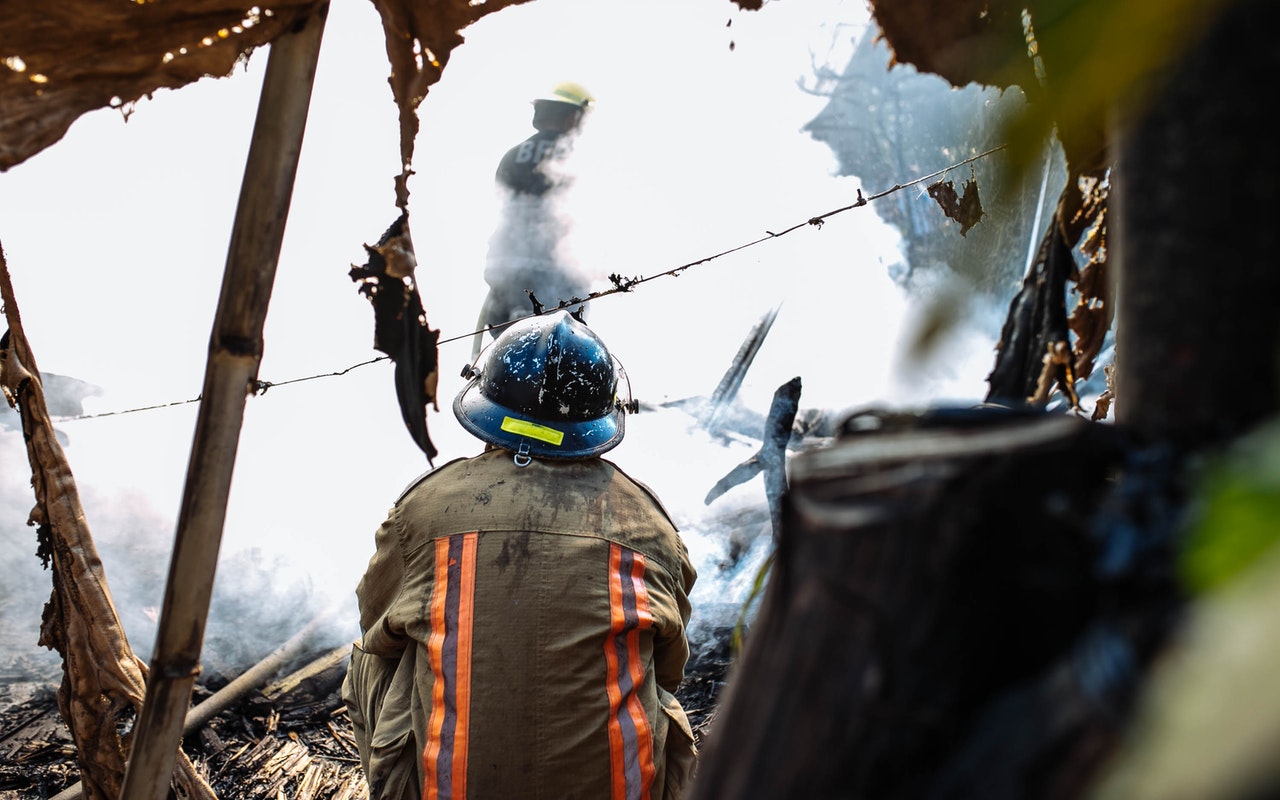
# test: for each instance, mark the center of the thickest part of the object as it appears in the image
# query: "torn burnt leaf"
(966, 209)
(400, 327)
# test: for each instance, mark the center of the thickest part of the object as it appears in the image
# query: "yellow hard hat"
(569, 92)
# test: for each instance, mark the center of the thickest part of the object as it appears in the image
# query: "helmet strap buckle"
(522, 457)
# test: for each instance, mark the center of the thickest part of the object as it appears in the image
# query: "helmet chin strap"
(522, 457)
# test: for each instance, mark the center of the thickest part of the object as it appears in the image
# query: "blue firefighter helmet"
(547, 387)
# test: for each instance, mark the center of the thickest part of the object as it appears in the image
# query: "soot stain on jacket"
(515, 552)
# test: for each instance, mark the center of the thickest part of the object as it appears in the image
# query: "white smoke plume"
(116, 239)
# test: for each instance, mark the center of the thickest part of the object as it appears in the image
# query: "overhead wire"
(620, 285)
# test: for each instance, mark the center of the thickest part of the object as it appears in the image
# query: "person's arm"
(377, 689)
(379, 589)
(672, 607)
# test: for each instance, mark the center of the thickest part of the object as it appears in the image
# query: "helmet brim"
(560, 101)
(507, 428)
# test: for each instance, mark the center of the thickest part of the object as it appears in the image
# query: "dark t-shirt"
(529, 167)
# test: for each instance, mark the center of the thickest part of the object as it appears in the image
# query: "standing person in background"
(525, 248)
(524, 617)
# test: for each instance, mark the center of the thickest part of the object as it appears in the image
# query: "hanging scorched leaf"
(400, 326)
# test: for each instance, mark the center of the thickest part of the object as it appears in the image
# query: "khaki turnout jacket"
(523, 634)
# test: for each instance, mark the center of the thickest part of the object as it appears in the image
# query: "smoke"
(257, 595)
(692, 155)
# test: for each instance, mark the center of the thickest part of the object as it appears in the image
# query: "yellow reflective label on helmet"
(533, 430)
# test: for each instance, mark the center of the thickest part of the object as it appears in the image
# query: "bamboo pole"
(252, 678)
(235, 352)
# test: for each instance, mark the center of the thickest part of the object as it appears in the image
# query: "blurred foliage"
(748, 607)
(1100, 57)
(1235, 519)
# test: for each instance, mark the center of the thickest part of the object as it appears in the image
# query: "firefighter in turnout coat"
(524, 615)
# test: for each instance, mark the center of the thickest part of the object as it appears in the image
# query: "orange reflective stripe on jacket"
(630, 737)
(444, 759)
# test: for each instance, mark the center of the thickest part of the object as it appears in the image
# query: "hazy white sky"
(116, 240)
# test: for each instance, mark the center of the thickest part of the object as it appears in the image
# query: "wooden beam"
(235, 352)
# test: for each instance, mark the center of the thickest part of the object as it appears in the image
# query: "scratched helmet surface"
(547, 388)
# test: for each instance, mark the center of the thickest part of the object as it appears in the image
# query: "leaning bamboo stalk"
(252, 678)
(322, 666)
(235, 352)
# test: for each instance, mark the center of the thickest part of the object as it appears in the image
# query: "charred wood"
(726, 392)
(1034, 353)
(309, 692)
(938, 622)
(771, 458)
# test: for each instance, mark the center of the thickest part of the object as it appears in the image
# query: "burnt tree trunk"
(1198, 315)
(911, 588)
